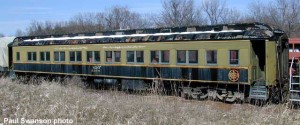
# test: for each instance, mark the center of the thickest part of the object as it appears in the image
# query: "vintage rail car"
(228, 62)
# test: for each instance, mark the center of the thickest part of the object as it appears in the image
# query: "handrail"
(291, 75)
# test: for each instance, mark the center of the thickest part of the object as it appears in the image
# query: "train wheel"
(212, 94)
(204, 94)
(183, 95)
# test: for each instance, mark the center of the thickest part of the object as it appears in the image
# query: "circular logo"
(233, 75)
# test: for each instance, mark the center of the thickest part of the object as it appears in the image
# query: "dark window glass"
(75, 56)
(18, 56)
(154, 56)
(135, 56)
(56, 56)
(113, 56)
(62, 56)
(89, 56)
(109, 56)
(42, 56)
(47, 56)
(96, 56)
(160, 56)
(181, 56)
(72, 56)
(59, 56)
(211, 57)
(140, 56)
(130, 56)
(29, 56)
(193, 56)
(234, 57)
(78, 56)
(33, 56)
(165, 55)
(117, 56)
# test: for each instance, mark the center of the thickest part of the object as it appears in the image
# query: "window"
(109, 56)
(162, 56)
(211, 56)
(117, 55)
(18, 56)
(233, 57)
(44, 56)
(93, 56)
(181, 56)
(165, 56)
(155, 56)
(139, 56)
(113, 56)
(135, 56)
(193, 56)
(31, 56)
(187, 56)
(75, 56)
(130, 56)
(59, 56)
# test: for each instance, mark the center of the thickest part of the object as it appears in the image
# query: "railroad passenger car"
(229, 62)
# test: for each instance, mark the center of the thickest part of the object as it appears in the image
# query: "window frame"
(135, 57)
(44, 55)
(93, 57)
(32, 57)
(18, 56)
(214, 58)
(60, 59)
(160, 57)
(184, 58)
(113, 55)
(237, 56)
(130, 59)
(76, 55)
(187, 57)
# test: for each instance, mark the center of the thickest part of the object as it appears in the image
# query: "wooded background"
(283, 14)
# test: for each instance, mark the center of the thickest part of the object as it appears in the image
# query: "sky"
(17, 14)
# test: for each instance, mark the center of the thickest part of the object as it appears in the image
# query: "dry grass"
(52, 100)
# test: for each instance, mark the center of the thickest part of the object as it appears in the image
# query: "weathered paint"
(205, 74)
(200, 71)
(271, 62)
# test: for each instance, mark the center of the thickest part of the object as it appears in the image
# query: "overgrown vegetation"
(68, 100)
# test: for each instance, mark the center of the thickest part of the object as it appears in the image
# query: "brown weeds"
(68, 100)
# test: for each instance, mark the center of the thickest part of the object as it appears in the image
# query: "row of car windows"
(157, 56)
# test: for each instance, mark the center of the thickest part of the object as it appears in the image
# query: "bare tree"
(230, 15)
(257, 11)
(178, 13)
(36, 28)
(119, 17)
(83, 22)
(19, 32)
(100, 21)
(214, 9)
(283, 14)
